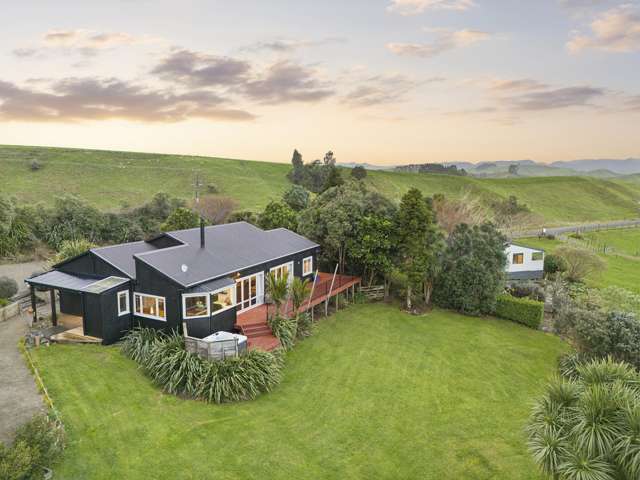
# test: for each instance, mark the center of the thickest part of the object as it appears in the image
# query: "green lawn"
(621, 271)
(626, 242)
(109, 179)
(375, 393)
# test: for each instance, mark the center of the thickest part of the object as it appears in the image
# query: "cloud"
(415, 7)
(83, 99)
(553, 99)
(616, 30)
(634, 103)
(194, 68)
(288, 46)
(445, 40)
(84, 42)
(287, 82)
(384, 89)
(517, 85)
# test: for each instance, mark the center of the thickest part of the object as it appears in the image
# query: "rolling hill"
(111, 180)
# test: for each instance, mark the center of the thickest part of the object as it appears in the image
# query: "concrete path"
(19, 397)
(588, 227)
(20, 271)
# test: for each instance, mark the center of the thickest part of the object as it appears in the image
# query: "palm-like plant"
(588, 427)
(278, 288)
(300, 291)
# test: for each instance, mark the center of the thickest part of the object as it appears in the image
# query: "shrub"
(297, 197)
(284, 329)
(587, 427)
(527, 290)
(554, 264)
(3, 302)
(8, 287)
(35, 165)
(615, 334)
(164, 359)
(580, 262)
(212, 188)
(36, 445)
(278, 215)
(72, 248)
(522, 310)
(181, 219)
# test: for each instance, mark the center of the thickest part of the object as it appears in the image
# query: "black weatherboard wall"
(149, 280)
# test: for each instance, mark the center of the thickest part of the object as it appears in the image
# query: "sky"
(384, 82)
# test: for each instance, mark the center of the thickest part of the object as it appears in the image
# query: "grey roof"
(525, 246)
(121, 256)
(213, 285)
(228, 249)
(65, 281)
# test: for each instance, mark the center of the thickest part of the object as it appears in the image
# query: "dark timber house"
(202, 276)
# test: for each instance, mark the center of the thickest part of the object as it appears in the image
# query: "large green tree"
(181, 219)
(419, 242)
(472, 269)
(297, 173)
(374, 246)
(278, 215)
(297, 197)
(333, 220)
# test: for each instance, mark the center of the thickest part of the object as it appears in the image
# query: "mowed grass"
(111, 179)
(621, 271)
(375, 393)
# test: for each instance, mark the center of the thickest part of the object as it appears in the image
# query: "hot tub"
(221, 345)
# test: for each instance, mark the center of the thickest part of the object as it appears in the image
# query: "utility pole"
(197, 183)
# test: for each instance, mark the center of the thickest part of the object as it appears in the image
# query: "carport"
(92, 299)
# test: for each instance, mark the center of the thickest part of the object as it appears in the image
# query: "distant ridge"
(623, 167)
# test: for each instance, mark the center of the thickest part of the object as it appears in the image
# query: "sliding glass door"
(250, 291)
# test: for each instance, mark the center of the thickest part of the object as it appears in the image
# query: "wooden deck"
(253, 322)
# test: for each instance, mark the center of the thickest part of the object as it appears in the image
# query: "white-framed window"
(200, 305)
(281, 270)
(123, 302)
(195, 305)
(307, 266)
(537, 256)
(150, 306)
(518, 258)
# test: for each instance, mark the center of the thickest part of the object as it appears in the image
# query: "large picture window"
(150, 306)
(307, 266)
(123, 302)
(198, 305)
(282, 270)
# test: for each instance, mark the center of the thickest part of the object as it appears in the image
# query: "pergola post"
(34, 309)
(54, 315)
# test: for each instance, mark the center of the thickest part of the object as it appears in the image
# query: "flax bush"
(164, 359)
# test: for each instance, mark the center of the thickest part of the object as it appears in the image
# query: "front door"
(250, 291)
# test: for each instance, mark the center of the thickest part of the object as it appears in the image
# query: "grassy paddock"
(107, 179)
(620, 271)
(375, 393)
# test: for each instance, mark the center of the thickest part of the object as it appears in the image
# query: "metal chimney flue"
(201, 233)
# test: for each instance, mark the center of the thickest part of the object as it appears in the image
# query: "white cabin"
(524, 263)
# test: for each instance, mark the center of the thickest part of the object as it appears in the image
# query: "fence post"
(326, 302)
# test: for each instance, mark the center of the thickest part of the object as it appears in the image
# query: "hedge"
(522, 310)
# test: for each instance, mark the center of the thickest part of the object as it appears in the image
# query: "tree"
(334, 178)
(243, 216)
(359, 172)
(586, 426)
(181, 219)
(72, 248)
(509, 213)
(373, 246)
(513, 169)
(297, 197)
(418, 243)
(329, 160)
(451, 213)
(472, 269)
(278, 215)
(333, 217)
(278, 289)
(315, 176)
(216, 209)
(297, 173)
(580, 262)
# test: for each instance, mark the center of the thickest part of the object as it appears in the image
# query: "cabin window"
(195, 306)
(307, 266)
(537, 256)
(150, 306)
(123, 302)
(285, 269)
(518, 258)
(221, 300)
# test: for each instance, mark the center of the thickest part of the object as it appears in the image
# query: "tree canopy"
(278, 215)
